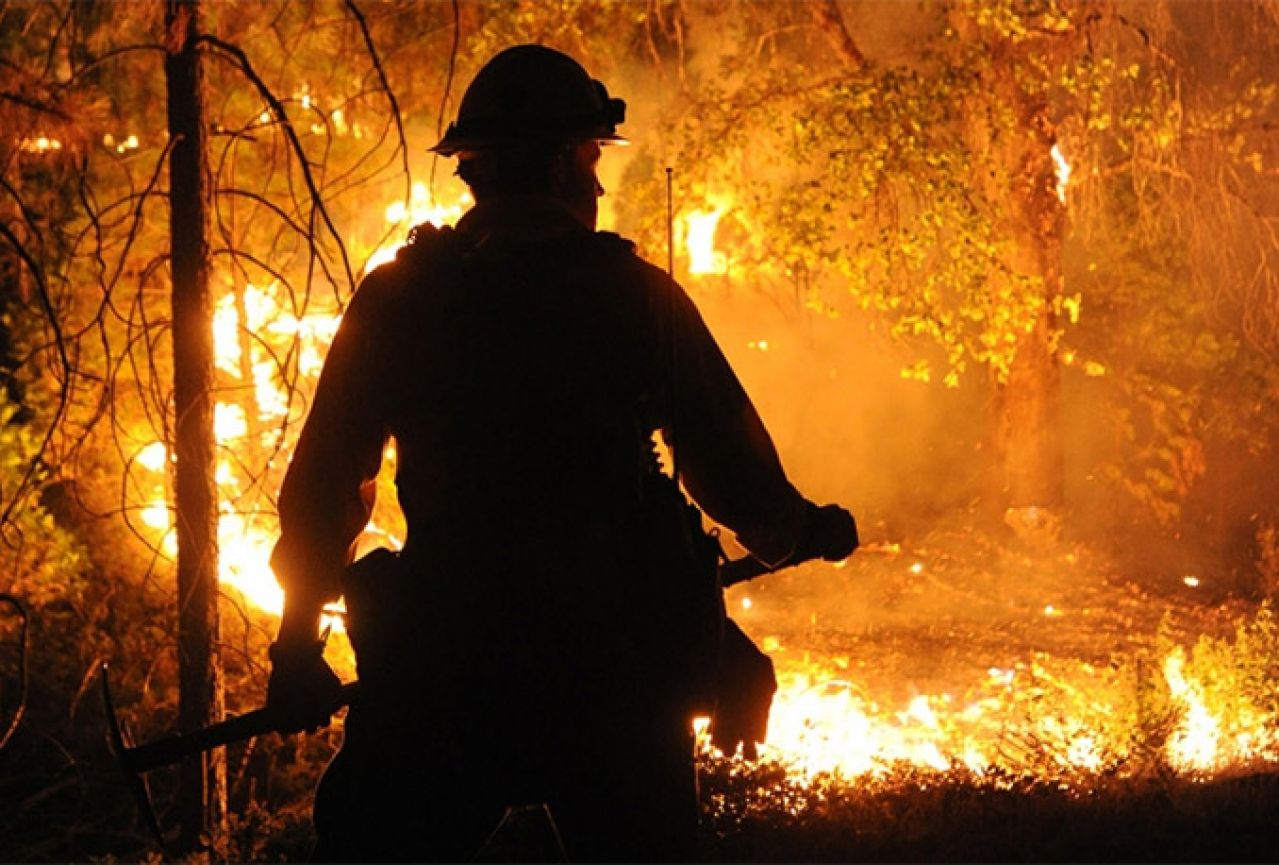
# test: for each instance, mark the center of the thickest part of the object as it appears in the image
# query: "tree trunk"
(1029, 401)
(1019, 182)
(1029, 424)
(202, 797)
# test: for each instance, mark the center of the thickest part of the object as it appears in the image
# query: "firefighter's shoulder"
(613, 242)
(426, 240)
(420, 256)
(622, 251)
(388, 284)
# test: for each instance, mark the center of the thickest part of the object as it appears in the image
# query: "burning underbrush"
(964, 698)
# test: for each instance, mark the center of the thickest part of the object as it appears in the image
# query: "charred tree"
(200, 702)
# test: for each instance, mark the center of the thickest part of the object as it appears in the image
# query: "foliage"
(1170, 363)
(43, 562)
(1238, 675)
(897, 188)
(865, 182)
(953, 817)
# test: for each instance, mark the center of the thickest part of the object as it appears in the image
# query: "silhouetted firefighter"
(555, 617)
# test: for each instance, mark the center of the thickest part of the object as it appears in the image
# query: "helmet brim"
(454, 142)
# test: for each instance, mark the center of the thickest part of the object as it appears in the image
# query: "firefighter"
(544, 633)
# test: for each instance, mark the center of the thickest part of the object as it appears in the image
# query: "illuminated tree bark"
(1029, 433)
(1014, 135)
(200, 702)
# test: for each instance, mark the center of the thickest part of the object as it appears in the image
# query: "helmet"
(532, 93)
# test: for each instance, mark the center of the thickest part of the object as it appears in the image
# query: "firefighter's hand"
(830, 533)
(303, 691)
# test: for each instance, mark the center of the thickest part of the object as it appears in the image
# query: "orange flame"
(699, 237)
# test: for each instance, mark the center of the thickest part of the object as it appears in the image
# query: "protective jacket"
(522, 363)
(521, 372)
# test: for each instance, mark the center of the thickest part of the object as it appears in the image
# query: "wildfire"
(250, 322)
(699, 236)
(1197, 710)
(824, 723)
(823, 720)
(1196, 742)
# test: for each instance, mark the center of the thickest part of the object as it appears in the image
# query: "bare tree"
(200, 700)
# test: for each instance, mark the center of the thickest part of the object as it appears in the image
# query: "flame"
(153, 457)
(247, 533)
(41, 145)
(156, 515)
(229, 422)
(1194, 744)
(421, 207)
(244, 555)
(827, 726)
(1062, 167)
(824, 723)
(700, 225)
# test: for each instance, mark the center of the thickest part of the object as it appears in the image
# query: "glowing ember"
(42, 144)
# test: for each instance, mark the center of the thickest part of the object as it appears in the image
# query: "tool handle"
(740, 570)
(831, 535)
(171, 749)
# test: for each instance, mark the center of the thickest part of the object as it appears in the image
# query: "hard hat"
(532, 93)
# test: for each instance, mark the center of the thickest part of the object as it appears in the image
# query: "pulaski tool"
(137, 760)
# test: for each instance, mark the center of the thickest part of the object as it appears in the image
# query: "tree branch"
(390, 95)
(241, 60)
(827, 15)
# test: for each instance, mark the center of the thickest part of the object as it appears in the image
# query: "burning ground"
(975, 698)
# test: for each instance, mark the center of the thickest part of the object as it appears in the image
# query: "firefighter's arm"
(729, 462)
(324, 504)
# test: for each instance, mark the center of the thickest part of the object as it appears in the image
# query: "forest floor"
(1056, 648)
(1009, 687)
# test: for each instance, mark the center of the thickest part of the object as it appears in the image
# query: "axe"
(136, 760)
